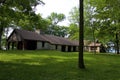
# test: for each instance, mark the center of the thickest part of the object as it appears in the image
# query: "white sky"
(58, 6)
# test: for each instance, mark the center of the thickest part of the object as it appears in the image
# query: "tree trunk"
(81, 35)
(117, 43)
(1, 31)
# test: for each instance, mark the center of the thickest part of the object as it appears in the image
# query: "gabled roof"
(29, 35)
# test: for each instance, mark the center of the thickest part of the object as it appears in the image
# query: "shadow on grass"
(28, 69)
(57, 68)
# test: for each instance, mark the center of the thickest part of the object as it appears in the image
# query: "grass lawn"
(55, 65)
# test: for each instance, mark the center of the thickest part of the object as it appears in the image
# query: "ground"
(56, 65)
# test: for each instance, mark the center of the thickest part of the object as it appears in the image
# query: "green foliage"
(74, 32)
(74, 15)
(106, 14)
(56, 18)
(12, 11)
(104, 11)
(98, 19)
(17, 12)
(74, 27)
(54, 28)
(33, 22)
(55, 65)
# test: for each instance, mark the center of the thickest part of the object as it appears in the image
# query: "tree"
(81, 34)
(108, 24)
(32, 22)
(74, 15)
(74, 21)
(54, 28)
(12, 11)
(73, 31)
(74, 24)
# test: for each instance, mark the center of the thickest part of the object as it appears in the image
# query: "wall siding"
(39, 45)
(59, 47)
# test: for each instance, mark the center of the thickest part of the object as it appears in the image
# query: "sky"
(58, 6)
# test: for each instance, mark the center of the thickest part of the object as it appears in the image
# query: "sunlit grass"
(56, 65)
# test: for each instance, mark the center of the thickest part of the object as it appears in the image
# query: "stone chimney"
(39, 31)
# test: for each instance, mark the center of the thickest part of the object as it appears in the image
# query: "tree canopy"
(101, 19)
(54, 28)
(106, 15)
(17, 12)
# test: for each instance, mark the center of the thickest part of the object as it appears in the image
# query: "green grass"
(55, 65)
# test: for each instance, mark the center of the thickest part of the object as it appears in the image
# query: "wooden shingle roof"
(60, 40)
(29, 35)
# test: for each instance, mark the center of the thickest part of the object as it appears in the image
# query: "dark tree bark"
(1, 31)
(117, 43)
(81, 35)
